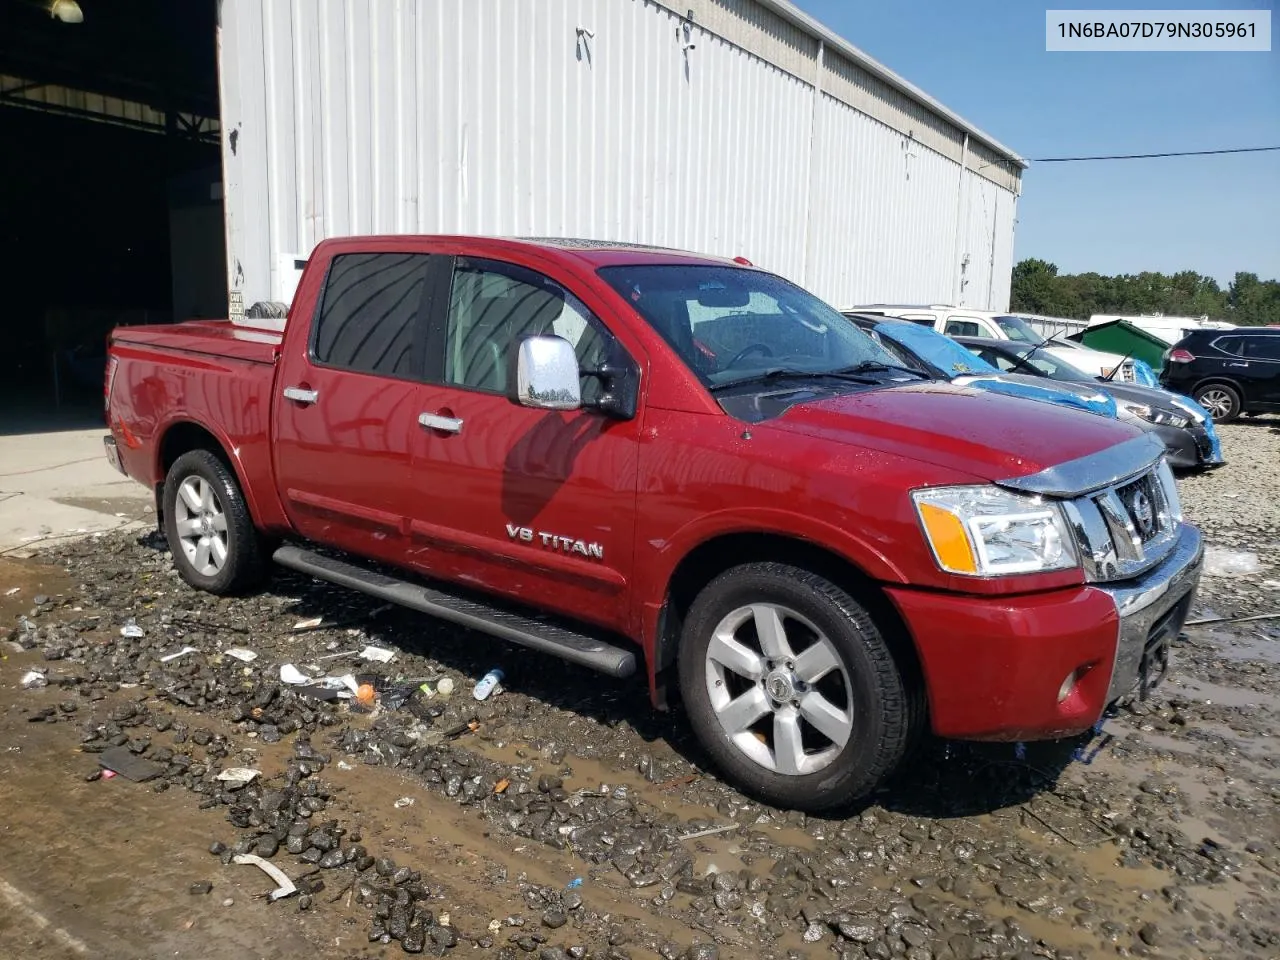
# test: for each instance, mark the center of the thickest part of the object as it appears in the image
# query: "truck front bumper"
(1043, 666)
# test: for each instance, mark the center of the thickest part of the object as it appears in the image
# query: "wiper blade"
(785, 373)
(875, 366)
(1116, 369)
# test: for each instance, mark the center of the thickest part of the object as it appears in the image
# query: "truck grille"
(1126, 528)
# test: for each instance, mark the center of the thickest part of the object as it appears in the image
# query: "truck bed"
(220, 338)
(203, 375)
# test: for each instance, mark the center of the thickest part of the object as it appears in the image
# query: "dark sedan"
(1185, 427)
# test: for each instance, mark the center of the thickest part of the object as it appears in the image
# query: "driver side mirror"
(547, 375)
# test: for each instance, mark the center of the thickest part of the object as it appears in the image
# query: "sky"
(986, 61)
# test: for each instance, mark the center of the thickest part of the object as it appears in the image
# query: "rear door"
(537, 505)
(347, 412)
(1262, 352)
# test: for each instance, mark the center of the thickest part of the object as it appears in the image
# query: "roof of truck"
(596, 253)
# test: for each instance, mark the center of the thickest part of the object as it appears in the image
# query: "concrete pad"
(59, 485)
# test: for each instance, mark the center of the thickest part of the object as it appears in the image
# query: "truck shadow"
(939, 780)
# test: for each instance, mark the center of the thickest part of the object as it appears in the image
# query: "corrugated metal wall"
(590, 118)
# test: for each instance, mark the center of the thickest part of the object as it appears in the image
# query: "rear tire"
(215, 545)
(1222, 401)
(792, 689)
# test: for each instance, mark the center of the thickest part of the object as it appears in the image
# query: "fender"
(253, 476)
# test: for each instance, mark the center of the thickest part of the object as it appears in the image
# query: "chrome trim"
(1111, 544)
(1092, 472)
(1142, 602)
(445, 424)
(301, 395)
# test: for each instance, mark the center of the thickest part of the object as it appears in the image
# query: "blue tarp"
(1103, 404)
(1143, 374)
(957, 361)
(1201, 416)
(941, 351)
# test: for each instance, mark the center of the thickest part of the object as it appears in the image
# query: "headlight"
(1169, 486)
(1164, 418)
(989, 532)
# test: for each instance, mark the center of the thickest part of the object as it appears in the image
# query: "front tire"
(791, 688)
(1222, 401)
(215, 545)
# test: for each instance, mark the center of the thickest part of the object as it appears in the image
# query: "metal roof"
(830, 38)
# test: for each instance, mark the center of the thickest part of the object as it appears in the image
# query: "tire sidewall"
(204, 465)
(857, 768)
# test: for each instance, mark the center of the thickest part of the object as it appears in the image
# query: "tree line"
(1039, 288)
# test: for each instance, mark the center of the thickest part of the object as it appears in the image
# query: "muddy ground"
(555, 820)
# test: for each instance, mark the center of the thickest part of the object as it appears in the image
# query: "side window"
(1231, 345)
(368, 312)
(493, 306)
(998, 360)
(1262, 348)
(962, 328)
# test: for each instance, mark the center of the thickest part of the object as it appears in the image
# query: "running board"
(580, 648)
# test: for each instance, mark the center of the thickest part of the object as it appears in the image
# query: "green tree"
(1038, 287)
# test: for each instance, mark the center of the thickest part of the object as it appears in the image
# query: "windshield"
(1050, 366)
(1018, 329)
(734, 323)
(936, 349)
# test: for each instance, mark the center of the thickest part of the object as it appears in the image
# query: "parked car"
(942, 358)
(962, 322)
(1228, 372)
(1185, 428)
(631, 457)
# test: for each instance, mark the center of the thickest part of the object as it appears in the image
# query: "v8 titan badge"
(553, 541)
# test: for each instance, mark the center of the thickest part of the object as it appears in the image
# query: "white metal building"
(730, 127)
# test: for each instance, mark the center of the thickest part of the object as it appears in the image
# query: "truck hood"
(987, 435)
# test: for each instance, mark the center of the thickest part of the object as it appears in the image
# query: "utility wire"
(1147, 156)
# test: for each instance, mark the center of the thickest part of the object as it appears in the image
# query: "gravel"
(1155, 834)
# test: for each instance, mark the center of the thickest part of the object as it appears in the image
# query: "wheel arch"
(713, 556)
(1217, 379)
(183, 436)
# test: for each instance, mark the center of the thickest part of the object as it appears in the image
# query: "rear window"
(367, 314)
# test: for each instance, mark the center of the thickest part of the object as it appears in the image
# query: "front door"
(346, 415)
(537, 505)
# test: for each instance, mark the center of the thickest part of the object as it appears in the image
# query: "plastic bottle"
(487, 683)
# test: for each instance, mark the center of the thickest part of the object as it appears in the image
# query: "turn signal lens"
(950, 542)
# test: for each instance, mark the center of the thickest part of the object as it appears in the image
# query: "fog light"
(1069, 684)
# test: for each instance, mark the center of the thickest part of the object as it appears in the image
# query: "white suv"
(962, 322)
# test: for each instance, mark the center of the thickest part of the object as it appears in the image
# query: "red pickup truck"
(617, 454)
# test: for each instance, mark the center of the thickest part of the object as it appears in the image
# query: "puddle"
(31, 580)
(1254, 646)
(1205, 691)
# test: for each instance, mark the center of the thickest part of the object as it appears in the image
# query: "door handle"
(301, 394)
(435, 422)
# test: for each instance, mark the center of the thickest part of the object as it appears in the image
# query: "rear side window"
(1229, 345)
(369, 310)
(962, 328)
(1262, 348)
